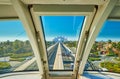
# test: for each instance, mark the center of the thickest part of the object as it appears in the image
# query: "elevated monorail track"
(58, 57)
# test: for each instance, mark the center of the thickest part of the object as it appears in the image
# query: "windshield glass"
(61, 36)
(105, 52)
(15, 50)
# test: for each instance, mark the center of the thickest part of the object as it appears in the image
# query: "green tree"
(109, 41)
(117, 47)
(94, 47)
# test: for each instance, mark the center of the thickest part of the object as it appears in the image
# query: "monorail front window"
(61, 36)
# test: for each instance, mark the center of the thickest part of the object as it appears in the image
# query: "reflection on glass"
(105, 53)
(15, 51)
(61, 35)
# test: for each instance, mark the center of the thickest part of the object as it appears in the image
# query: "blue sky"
(110, 30)
(11, 30)
(67, 26)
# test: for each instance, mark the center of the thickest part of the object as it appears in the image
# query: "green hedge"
(93, 59)
(4, 65)
(17, 59)
(112, 67)
(21, 55)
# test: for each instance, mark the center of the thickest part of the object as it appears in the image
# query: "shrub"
(4, 65)
(112, 67)
(94, 59)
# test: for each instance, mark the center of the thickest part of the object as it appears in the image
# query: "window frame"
(75, 46)
(47, 11)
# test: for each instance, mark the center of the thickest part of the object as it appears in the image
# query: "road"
(25, 65)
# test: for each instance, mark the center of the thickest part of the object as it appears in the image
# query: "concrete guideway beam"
(58, 64)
